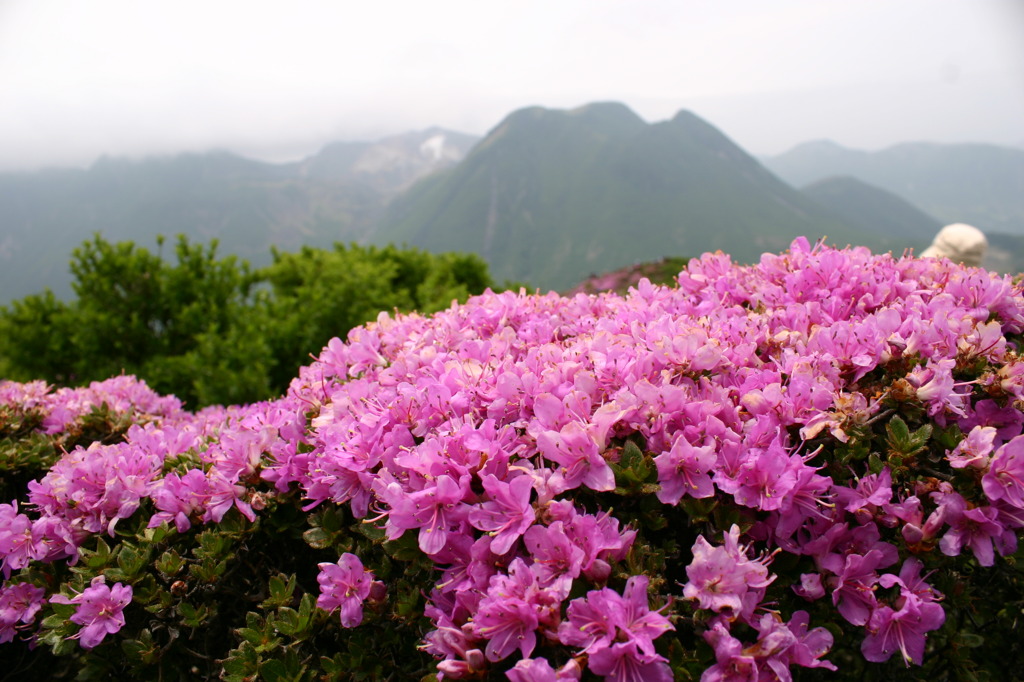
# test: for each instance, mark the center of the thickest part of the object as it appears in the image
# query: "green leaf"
(242, 664)
(899, 434)
(97, 558)
(875, 463)
(306, 611)
(193, 616)
(286, 621)
(921, 437)
(631, 455)
(970, 639)
(169, 564)
(370, 531)
(405, 548)
(286, 669)
(132, 559)
(281, 588)
(318, 538)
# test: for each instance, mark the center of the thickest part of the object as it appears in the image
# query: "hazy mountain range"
(336, 195)
(548, 197)
(978, 184)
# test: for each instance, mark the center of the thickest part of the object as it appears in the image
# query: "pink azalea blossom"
(345, 585)
(100, 609)
(724, 579)
(19, 604)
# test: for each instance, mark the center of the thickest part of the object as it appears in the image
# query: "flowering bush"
(814, 464)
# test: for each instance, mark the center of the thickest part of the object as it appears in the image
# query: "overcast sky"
(277, 80)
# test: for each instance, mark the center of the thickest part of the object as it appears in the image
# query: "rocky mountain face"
(392, 164)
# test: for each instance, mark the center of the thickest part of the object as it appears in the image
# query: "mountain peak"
(616, 112)
(606, 118)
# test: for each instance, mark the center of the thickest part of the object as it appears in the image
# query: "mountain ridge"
(549, 196)
(544, 182)
(247, 205)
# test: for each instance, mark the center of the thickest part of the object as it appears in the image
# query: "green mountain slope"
(873, 210)
(552, 196)
(973, 183)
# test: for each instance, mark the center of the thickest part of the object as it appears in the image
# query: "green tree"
(137, 314)
(316, 294)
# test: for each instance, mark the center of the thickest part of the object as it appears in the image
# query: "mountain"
(973, 183)
(392, 164)
(551, 196)
(1005, 253)
(872, 210)
(335, 195)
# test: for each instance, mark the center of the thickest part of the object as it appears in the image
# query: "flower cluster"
(60, 409)
(479, 430)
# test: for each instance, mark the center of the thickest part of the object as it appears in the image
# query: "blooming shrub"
(808, 468)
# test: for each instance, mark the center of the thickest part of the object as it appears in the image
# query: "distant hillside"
(247, 205)
(1005, 253)
(973, 183)
(551, 196)
(873, 210)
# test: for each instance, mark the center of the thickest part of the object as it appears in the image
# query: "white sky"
(277, 80)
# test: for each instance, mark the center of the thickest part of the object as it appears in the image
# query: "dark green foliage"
(317, 294)
(208, 330)
(175, 325)
(235, 601)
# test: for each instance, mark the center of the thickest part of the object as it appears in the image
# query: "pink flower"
(902, 629)
(683, 470)
(19, 603)
(508, 514)
(852, 587)
(973, 451)
(603, 618)
(345, 585)
(977, 528)
(1005, 477)
(513, 609)
(723, 579)
(539, 670)
(100, 610)
(623, 662)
